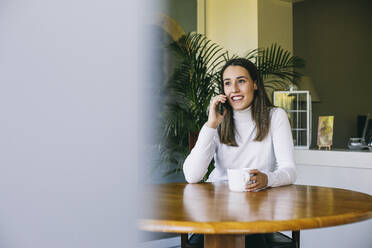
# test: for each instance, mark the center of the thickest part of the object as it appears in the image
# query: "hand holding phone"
(217, 111)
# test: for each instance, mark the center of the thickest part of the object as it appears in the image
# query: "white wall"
(68, 123)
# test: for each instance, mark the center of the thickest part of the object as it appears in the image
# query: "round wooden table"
(225, 217)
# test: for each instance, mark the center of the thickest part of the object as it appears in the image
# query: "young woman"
(251, 133)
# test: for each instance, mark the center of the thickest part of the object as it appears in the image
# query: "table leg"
(224, 241)
(296, 237)
(184, 238)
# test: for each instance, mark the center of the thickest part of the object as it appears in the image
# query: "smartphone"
(220, 107)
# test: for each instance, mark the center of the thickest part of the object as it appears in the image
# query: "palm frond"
(276, 61)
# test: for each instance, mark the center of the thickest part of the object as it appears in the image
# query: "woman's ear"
(255, 85)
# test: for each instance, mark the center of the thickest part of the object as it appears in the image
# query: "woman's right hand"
(215, 118)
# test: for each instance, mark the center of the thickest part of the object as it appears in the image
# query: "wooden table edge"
(251, 227)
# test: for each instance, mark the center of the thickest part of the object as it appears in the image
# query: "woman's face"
(238, 86)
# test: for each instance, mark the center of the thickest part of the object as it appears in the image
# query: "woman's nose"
(235, 87)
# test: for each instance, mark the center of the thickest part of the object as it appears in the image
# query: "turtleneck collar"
(243, 115)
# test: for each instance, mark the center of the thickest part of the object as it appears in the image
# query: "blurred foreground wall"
(69, 123)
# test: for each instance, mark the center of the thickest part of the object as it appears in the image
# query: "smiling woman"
(249, 133)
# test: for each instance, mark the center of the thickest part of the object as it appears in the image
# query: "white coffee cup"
(238, 179)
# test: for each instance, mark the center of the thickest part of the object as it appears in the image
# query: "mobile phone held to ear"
(220, 107)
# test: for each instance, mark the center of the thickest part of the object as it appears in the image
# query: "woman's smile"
(237, 98)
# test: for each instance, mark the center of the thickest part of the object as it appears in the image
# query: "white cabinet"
(341, 169)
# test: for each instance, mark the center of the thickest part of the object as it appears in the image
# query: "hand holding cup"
(258, 180)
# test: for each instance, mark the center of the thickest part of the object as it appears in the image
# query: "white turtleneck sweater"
(274, 155)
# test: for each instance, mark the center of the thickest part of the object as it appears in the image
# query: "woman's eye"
(227, 83)
(241, 81)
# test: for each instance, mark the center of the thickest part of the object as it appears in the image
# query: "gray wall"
(335, 39)
(183, 11)
(68, 149)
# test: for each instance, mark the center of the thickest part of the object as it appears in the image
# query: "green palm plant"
(188, 93)
(277, 66)
(194, 82)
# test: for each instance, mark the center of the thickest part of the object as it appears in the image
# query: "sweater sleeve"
(285, 172)
(197, 162)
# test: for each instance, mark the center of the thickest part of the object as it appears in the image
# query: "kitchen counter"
(335, 158)
(344, 169)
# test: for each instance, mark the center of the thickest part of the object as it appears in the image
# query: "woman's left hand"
(259, 180)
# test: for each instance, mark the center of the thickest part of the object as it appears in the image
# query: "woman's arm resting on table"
(196, 164)
(285, 172)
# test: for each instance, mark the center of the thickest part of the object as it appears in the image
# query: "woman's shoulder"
(277, 112)
(279, 117)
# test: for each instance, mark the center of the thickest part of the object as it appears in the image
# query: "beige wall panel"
(232, 24)
(201, 16)
(275, 23)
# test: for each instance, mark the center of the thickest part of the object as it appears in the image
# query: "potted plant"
(187, 96)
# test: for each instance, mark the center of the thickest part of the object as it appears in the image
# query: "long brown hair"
(260, 106)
